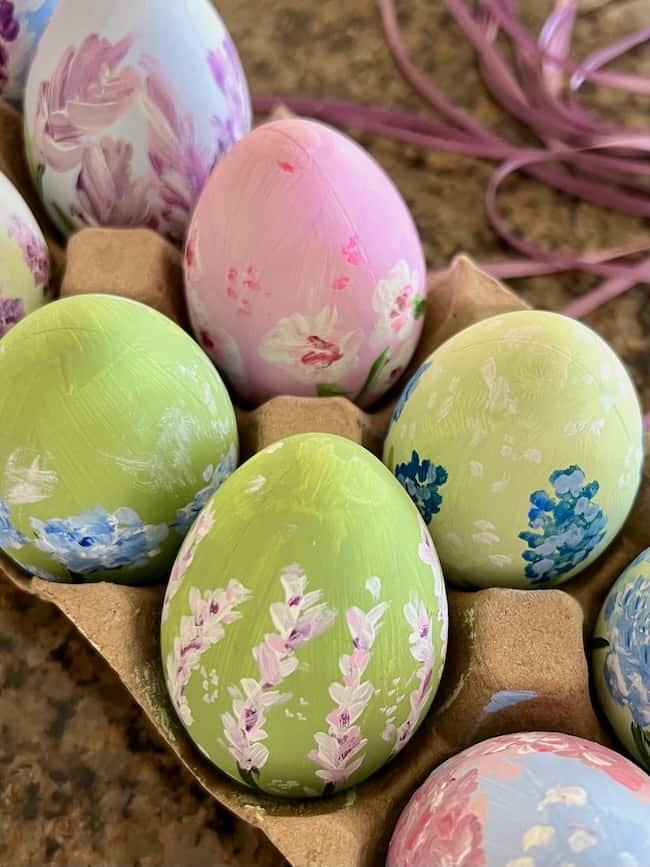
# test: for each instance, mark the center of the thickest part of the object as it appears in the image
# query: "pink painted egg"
(304, 272)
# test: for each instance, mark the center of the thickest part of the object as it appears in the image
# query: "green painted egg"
(520, 441)
(304, 627)
(116, 429)
(621, 658)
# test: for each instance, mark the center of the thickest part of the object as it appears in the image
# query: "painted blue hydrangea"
(627, 664)
(421, 480)
(408, 390)
(97, 540)
(565, 530)
(10, 537)
(215, 476)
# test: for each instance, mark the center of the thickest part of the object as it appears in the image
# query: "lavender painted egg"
(304, 626)
(128, 106)
(621, 658)
(116, 429)
(21, 24)
(24, 258)
(303, 268)
(528, 800)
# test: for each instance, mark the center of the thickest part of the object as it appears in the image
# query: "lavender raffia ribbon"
(579, 153)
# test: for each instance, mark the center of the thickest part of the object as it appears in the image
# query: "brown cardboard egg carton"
(500, 641)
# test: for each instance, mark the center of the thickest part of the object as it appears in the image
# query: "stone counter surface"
(83, 781)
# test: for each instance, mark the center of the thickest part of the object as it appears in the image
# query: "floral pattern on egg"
(524, 800)
(24, 258)
(520, 442)
(621, 658)
(115, 134)
(329, 304)
(317, 695)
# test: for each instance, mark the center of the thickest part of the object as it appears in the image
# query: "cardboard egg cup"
(529, 648)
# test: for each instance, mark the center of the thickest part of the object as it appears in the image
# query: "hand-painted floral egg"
(24, 258)
(303, 269)
(621, 658)
(520, 441)
(116, 429)
(304, 626)
(128, 106)
(21, 24)
(528, 800)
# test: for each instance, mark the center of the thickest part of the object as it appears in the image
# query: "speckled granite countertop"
(82, 780)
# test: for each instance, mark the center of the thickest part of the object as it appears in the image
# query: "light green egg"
(116, 429)
(520, 441)
(304, 627)
(621, 658)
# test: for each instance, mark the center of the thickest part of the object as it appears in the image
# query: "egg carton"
(517, 660)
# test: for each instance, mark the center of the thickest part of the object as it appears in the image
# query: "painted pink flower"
(439, 826)
(107, 196)
(311, 349)
(200, 529)
(33, 247)
(338, 748)
(299, 619)
(179, 165)
(428, 554)
(394, 303)
(86, 93)
(351, 251)
(199, 631)
(423, 652)
(229, 76)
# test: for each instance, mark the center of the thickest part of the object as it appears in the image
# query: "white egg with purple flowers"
(128, 107)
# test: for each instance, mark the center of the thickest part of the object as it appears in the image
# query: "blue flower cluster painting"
(96, 540)
(564, 529)
(421, 480)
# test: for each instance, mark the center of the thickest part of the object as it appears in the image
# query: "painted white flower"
(581, 839)
(394, 303)
(373, 586)
(537, 835)
(568, 796)
(311, 348)
(256, 485)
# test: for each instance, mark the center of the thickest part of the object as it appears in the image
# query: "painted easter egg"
(528, 800)
(621, 658)
(520, 441)
(127, 109)
(303, 268)
(22, 23)
(116, 431)
(24, 258)
(304, 626)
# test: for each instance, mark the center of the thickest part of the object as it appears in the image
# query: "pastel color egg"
(116, 429)
(621, 658)
(303, 268)
(24, 258)
(520, 441)
(528, 800)
(128, 106)
(304, 626)
(22, 23)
